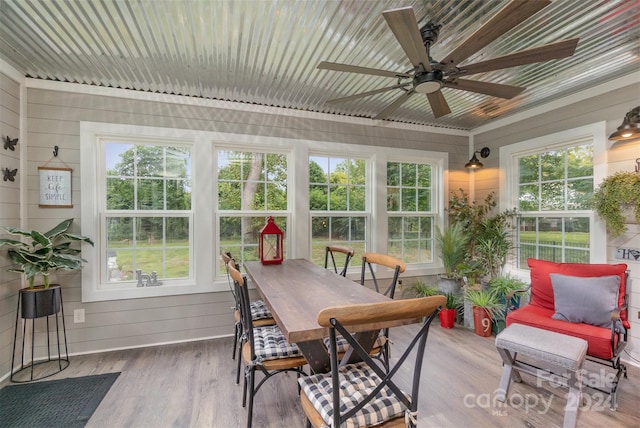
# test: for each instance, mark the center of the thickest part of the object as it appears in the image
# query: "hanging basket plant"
(617, 193)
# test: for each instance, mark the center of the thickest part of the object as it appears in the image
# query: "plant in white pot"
(40, 254)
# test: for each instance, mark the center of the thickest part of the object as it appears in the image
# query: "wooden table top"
(296, 290)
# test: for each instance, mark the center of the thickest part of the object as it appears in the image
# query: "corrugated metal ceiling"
(266, 52)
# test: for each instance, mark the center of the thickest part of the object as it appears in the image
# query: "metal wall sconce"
(630, 127)
(474, 163)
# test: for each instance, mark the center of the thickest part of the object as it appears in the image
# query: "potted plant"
(489, 241)
(504, 287)
(486, 307)
(451, 244)
(422, 289)
(40, 254)
(448, 313)
(617, 195)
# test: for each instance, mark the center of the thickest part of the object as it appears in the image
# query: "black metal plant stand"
(34, 303)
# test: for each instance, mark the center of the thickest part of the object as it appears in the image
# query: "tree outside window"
(555, 188)
(409, 210)
(148, 210)
(251, 187)
(338, 204)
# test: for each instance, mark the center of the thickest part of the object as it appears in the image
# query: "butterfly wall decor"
(10, 174)
(10, 144)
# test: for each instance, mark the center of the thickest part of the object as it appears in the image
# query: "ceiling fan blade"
(404, 26)
(366, 94)
(438, 104)
(558, 50)
(486, 88)
(508, 17)
(395, 105)
(324, 65)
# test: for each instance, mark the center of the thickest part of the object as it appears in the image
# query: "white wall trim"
(604, 88)
(230, 105)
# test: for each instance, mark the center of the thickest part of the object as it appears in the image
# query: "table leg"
(316, 355)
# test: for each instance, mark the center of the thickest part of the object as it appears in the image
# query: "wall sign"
(55, 187)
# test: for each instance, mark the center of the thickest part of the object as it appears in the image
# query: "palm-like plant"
(42, 253)
(452, 244)
(487, 300)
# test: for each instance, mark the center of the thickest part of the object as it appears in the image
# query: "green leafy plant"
(454, 301)
(618, 191)
(489, 241)
(41, 253)
(421, 289)
(504, 285)
(485, 299)
(452, 244)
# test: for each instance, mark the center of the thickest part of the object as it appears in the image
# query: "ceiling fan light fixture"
(630, 127)
(428, 82)
(474, 162)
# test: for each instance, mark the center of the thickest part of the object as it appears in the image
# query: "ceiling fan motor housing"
(428, 82)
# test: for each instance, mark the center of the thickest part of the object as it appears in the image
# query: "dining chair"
(260, 314)
(363, 394)
(329, 254)
(265, 348)
(374, 263)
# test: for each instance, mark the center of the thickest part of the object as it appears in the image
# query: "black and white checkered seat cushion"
(343, 345)
(356, 380)
(271, 344)
(259, 310)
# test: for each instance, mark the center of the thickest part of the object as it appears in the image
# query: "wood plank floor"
(193, 385)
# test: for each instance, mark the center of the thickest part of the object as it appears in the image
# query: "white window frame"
(595, 133)
(205, 244)
(432, 213)
(369, 190)
(94, 285)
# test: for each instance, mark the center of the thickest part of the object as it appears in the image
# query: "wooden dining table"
(297, 290)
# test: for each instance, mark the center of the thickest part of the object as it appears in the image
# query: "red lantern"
(271, 247)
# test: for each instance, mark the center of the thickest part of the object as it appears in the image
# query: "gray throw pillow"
(589, 300)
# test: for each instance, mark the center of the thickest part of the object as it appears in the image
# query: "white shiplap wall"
(10, 283)
(54, 118)
(610, 107)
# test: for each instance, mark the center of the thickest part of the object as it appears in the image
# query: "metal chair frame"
(329, 254)
(398, 266)
(394, 310)
(268, 367)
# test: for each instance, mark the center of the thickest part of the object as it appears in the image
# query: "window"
(552, 186)
(338, 203)
(251, 187)
(147, 213)
(409, 210)
(169, 200)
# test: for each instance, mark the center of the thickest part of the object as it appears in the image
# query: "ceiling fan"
(429, 76)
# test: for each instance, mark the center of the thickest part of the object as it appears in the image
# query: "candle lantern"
(270, 245)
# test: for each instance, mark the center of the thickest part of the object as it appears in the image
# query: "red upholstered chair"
(605, 345)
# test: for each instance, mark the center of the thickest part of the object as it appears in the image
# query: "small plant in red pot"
(448, 313)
